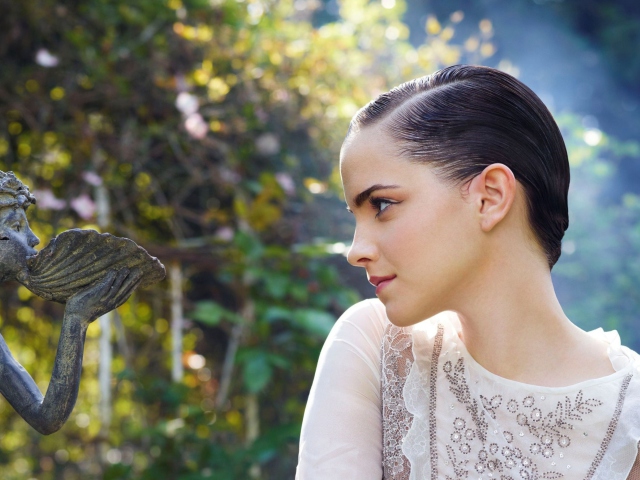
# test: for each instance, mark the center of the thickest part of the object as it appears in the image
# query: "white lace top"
(411, 403)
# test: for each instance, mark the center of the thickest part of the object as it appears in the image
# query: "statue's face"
(16, 242)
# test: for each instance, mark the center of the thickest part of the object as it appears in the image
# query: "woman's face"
(16, 242)
(410, 226)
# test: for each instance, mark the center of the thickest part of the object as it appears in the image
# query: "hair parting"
(464, 118)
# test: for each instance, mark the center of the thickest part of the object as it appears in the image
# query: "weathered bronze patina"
(90, 273)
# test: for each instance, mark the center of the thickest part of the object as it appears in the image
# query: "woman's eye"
(380, 204)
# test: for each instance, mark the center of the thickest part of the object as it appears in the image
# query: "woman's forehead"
(365, 141)
(367, 156)
(372, 153)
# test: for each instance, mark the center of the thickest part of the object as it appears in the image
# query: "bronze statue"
(91, 273)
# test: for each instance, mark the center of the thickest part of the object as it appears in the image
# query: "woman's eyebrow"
(360, 198)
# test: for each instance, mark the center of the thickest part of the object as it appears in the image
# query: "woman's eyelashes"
(380, 204)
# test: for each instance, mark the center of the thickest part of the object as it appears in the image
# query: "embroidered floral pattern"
(493, 436)
(396, 358)
(550, 430)
(459, 387)
(458, 465)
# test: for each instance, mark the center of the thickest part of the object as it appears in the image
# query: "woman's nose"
(362, 250)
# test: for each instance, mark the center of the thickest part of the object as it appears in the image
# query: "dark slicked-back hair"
(464, 118)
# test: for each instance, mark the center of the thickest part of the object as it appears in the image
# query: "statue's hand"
(103, 296)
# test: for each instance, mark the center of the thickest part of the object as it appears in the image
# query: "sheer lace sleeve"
(635, 471)
(342, 426)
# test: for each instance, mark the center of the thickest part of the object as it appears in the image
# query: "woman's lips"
(381, 282)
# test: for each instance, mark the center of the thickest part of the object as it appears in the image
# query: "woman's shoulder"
(622, 357)
(626, 360)
(635, 367)
(365, 320)
(634, 356)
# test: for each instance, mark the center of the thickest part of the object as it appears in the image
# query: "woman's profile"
(465, 366)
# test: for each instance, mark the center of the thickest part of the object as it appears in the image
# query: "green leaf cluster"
(214, 127)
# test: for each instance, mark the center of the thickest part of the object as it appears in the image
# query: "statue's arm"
(47, 414)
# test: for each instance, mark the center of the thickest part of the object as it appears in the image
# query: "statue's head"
(16, 238)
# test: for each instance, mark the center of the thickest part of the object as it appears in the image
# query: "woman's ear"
(493, 192)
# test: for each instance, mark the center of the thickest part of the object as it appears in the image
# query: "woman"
(458, 182)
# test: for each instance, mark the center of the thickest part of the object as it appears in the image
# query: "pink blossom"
(196, 126)
(225, 234)
(92, 178)
(286, 182)
(187, 103)
(46, 59)
(46, 200)
(84, 206)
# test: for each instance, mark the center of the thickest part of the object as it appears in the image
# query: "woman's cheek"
(405, 250)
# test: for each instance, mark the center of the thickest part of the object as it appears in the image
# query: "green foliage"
(215, 128)
(211, 313)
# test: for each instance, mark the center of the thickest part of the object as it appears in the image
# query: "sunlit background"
(208, 131)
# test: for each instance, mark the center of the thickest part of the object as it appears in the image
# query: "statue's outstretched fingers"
(116, 285)
(105, 285)
(134, 276)
(127, 289)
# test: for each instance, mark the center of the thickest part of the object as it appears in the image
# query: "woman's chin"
(400, 317)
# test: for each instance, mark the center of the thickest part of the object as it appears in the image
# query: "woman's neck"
(516, 328)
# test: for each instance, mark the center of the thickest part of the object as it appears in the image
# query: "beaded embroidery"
(612, 427)
(548, 427)
(433, 392)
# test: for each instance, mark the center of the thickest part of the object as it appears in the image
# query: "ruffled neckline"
(621, 362)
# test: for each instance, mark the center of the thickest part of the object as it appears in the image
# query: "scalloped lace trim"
(396, 361)
(410, 437)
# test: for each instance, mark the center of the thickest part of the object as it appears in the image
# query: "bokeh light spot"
(592, 137)
(196, 361)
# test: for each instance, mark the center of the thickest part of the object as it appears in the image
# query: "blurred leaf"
(274, 313)
(256, 373)
(212, 313)
(315, 322)
(277, 284)
(248, 244)
(279, 361)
